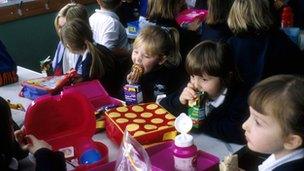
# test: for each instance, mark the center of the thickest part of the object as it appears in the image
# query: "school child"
(163, 13)
(96, 61)
(212, 71)
(259, 48)
(106, 27)
(11, 151)
(215, 27)
(64, 60)
(275, 125)
(156, 50)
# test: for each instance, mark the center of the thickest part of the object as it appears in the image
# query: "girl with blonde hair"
(156, 51)
(259, 49)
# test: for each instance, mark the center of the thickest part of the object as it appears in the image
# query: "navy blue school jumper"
(295, 165)
(260, 55)
(162, 80)
(216, 32)
(223, 122)
(47, 160)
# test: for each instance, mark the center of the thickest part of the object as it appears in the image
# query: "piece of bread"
(137, 69)
(230, 163)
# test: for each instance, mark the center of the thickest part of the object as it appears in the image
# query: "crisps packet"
(132, 156)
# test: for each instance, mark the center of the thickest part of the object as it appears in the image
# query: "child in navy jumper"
(212, 70)
(156, 50)
(259, 48)
(275, 125)
(215, 27)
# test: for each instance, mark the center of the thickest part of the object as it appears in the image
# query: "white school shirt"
(69, 61)
(83, 56)
(107, 30)
(271, 163)
(210, 105)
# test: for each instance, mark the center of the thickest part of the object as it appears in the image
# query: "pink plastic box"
(161, 157)
(65, 121)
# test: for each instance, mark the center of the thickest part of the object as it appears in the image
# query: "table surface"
(203, 142)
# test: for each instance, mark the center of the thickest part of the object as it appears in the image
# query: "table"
(202, 141)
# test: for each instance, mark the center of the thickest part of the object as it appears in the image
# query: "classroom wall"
(32, 39)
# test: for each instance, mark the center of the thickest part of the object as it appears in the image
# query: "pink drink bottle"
(184, 150)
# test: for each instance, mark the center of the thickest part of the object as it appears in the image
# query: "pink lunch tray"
(161, 157)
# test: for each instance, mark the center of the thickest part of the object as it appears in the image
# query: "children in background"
(156, 50)
(163, 13)
(107, 29)
(96, 61)
(211, 69)
(259, 49)
(64, 60)
(10, 152)
(275, 125)
(215, 27)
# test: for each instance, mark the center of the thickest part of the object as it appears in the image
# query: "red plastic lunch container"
(66, 122)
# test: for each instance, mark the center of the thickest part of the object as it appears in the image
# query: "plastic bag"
(132, 156)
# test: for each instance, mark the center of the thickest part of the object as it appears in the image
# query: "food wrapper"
(148, 123)
(230, 163)
(132, 156)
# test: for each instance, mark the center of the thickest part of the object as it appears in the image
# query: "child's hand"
(133, 77)
(136, 72)
(30, 142)
(20, 137)
(35, 144)
(188, 94)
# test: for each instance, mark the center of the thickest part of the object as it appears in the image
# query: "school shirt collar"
(85, 54)
(107, 12)
(14, 164)
(219, 100)
(271, 163)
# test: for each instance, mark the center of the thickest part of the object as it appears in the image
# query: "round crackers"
(152, 106)
(160, 111)
(169, 116)
(114, 115)
(130, 115)
(150, 127)
(138, 133)
(137, 108)
(146, 115)
(122, 120)
(157, 120)
(139, 121)
(171, 123)
(163, 127)
(122, 109)
(132, 127)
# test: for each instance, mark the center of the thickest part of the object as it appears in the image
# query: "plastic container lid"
(183, 124)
